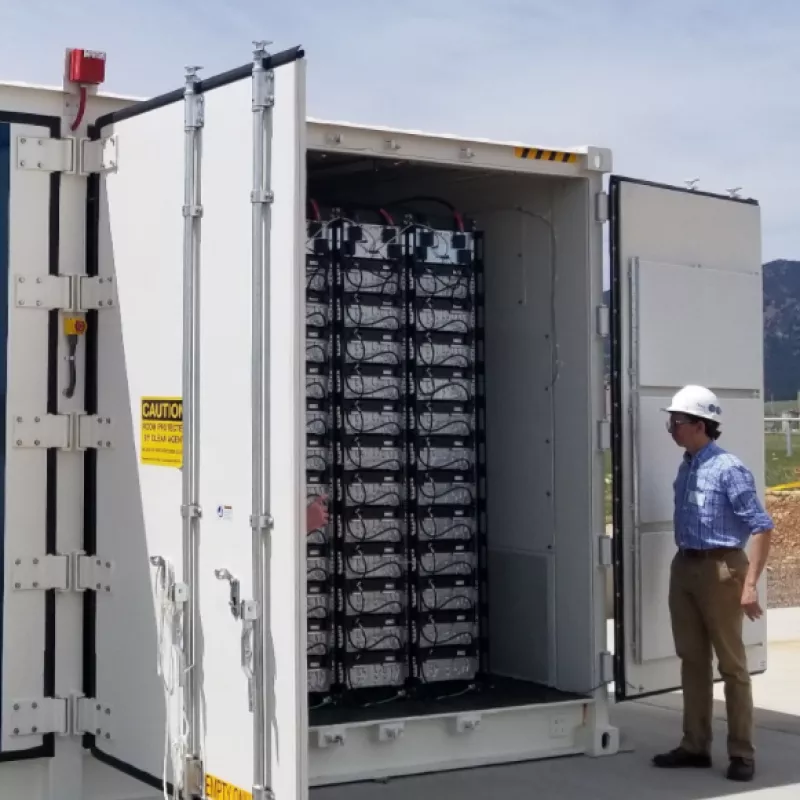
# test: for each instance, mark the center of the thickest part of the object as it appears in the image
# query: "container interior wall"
(543, 379)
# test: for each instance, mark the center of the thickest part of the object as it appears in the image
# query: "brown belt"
(712, 552)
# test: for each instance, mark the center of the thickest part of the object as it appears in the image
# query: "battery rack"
(395, 421)
(446, 455)
(321, 633)
(370, 472)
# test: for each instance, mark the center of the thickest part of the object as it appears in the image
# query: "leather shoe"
(679, 757)
(741, 769)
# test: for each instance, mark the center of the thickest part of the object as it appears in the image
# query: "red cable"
(386, 215)
(315, 206)
(459, 222)
(81, 109)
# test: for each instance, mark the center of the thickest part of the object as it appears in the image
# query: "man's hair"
(710, 426)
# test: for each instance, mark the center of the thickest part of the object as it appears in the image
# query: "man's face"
(682, 429)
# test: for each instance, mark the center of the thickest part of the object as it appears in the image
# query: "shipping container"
(218, 309)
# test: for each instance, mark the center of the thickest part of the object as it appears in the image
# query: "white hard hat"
(697, 401)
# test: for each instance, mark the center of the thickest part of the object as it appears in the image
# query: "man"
(712, 582)
(317, 513)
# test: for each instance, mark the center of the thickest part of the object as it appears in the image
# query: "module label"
(217, 789)
(162, 431)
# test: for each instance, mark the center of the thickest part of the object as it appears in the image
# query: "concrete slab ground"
(648, 727)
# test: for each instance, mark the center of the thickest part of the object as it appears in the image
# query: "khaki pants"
(705, 605)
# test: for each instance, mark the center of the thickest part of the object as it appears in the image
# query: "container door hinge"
(98, 156)
(605, 554)
(45, 154)
(606, 667)
(64, 716)
(73, 572)
(603, 435)
(73, 293)
(603, 321)
(73, 431)
(37, 716)
(601, 207)
(92, 717)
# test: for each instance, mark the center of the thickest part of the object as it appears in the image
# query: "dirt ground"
(783, 568)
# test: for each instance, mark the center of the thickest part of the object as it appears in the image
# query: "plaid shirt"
(716, 502)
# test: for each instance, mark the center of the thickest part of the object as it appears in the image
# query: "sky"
(678, 90)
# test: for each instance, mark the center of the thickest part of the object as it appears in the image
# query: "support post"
(190, 495)
(261, 521)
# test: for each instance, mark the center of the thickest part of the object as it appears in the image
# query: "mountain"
(781, 330)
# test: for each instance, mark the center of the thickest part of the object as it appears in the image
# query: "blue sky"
(680, 89)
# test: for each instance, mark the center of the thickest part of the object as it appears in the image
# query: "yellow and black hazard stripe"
(537, 154)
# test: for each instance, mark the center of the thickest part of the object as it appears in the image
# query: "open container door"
(142, 212)
(231, 427)
(31, 572)
(686, 309)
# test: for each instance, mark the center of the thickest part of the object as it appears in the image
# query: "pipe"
(190, 488)
(261, 521)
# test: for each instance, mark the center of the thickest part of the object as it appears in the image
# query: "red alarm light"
(87, 67)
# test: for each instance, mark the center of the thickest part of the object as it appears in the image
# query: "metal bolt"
(34, 729)
(21, 302)
(16, 706)
(35, 560)
(98, 707)
(19, 442)
(108, 588)
(108, 420)
(22, 280)
(39, 164)
(35, 585)
(22, 163)
(110, 303)
(36, 419)
(17, 585)
(16, 731)
(108, 736)
(38, 302)
(100, 302)
(99, 586)
(108, 444)
(18, 561)
(39, 142)
(99, 444)
(36, 442)
(98, 731)
(34, 705)
(19, 419)
(38, 280)
(108, 711)
(108, 564)
(23, 140)
(99, 563)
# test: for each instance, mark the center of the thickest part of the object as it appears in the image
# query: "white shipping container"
(87, 511)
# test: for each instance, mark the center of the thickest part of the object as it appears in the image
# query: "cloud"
(691, 88)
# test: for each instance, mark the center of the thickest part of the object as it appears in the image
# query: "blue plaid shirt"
(716, 502)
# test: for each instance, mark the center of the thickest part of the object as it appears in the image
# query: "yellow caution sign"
(217, 789)
(162, 431)
(546, 155)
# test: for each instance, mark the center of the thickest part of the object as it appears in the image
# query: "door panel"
(686, 308)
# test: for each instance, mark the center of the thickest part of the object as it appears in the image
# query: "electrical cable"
(82, 96)
(170, 668)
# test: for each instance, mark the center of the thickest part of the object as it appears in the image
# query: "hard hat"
(697, 401)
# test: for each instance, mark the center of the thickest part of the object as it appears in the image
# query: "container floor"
(436, 699)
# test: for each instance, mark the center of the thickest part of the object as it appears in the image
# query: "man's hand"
(750, 604)
(317, 513)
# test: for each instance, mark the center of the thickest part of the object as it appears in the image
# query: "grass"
(780, 468)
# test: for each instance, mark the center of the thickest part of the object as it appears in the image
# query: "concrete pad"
(649, 727)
